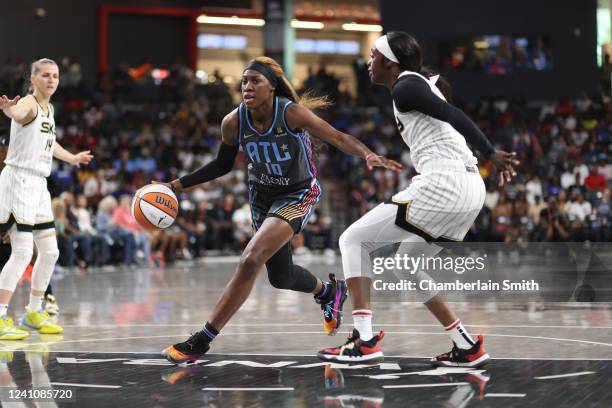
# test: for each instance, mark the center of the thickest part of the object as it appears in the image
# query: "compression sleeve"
(221, 165)
(413, 93)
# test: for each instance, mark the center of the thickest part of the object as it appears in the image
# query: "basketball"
(155, 207)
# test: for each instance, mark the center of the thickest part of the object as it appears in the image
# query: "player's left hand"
(82, 158)
(504, 163)
(381, 161)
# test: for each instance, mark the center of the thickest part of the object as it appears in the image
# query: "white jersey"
(31, 145)
(429, 138)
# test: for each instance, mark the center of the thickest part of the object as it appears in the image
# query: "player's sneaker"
(332, 305)
(355, 350)
(39, 320)
(51, 306)
(474, 357)
(8, 331)
(188, 351)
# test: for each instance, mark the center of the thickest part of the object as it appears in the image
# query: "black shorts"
(294, 207)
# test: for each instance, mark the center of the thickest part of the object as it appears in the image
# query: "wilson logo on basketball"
(166, 203)
(155, 207)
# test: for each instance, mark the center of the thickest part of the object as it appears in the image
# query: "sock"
(325, 290)
(459, 335)
(209, 331)
(3, 310)
(362, 320)
(35, 303)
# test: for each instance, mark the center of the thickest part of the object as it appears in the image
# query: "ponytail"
(285, 89)
(410, 58)
(442, 84)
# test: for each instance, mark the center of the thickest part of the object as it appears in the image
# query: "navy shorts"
(294, 207)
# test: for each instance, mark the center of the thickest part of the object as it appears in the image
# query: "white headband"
(382, 45)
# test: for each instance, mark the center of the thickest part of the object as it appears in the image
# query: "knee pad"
(356, 261)
(345, 240)
(21, 255)
(279, 280)
(48, 253)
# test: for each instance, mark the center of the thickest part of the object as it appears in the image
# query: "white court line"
(86, 385)
(249, 389)
(25, 348)
(380, 325)
(11, 348)
(505, 395)
(426, 385)
(549, 377)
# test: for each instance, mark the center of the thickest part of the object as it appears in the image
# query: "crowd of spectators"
(144, 127)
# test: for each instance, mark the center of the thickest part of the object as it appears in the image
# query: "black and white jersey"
(423, 128)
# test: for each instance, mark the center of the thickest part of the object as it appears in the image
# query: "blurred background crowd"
(141, 129)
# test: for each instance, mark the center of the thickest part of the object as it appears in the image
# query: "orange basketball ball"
(155, 207)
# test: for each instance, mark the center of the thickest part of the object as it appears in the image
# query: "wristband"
(367, 156)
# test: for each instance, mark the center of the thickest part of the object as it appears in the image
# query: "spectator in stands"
(84, 221)
(580, 209)
(318, 233)
(595, 181)
(221, 219)
(83, 240)
(114, 234)
(243, 226)
(122, 217)
(64, 240)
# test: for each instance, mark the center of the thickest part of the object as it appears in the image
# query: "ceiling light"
(312, 25)
(362, 27)
(234, 20)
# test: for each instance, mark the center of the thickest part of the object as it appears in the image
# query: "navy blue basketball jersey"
(278, 159)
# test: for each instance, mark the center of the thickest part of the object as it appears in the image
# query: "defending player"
(440, 204)
(25, 202)
(273, 126)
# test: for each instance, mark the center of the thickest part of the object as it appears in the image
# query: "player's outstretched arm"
(20, 110)
(74, 159)
(299, 117)
(221, 165)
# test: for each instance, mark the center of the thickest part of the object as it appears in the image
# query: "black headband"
(264, 70)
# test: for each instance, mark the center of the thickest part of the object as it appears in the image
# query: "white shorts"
(442, 203)
(24, 200)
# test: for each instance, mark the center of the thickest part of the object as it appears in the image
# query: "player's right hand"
(174, 185)
(5, 238)
(5, 102)
(504, 163)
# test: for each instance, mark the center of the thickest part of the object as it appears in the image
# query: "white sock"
(3, 310)
(362, 320)
(35, 303)
(460, 335)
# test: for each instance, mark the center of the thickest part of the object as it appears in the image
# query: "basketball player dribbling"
(25, 202)
(273, 126)
(440, 204)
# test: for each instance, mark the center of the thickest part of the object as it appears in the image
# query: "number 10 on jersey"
(274, 169)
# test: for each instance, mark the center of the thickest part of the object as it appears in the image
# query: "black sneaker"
(474, 357)
(188, 351)
(332, 305)
(355, 350)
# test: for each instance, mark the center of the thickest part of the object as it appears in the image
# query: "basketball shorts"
(24, 200)
(294, 207)
(442, 202)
